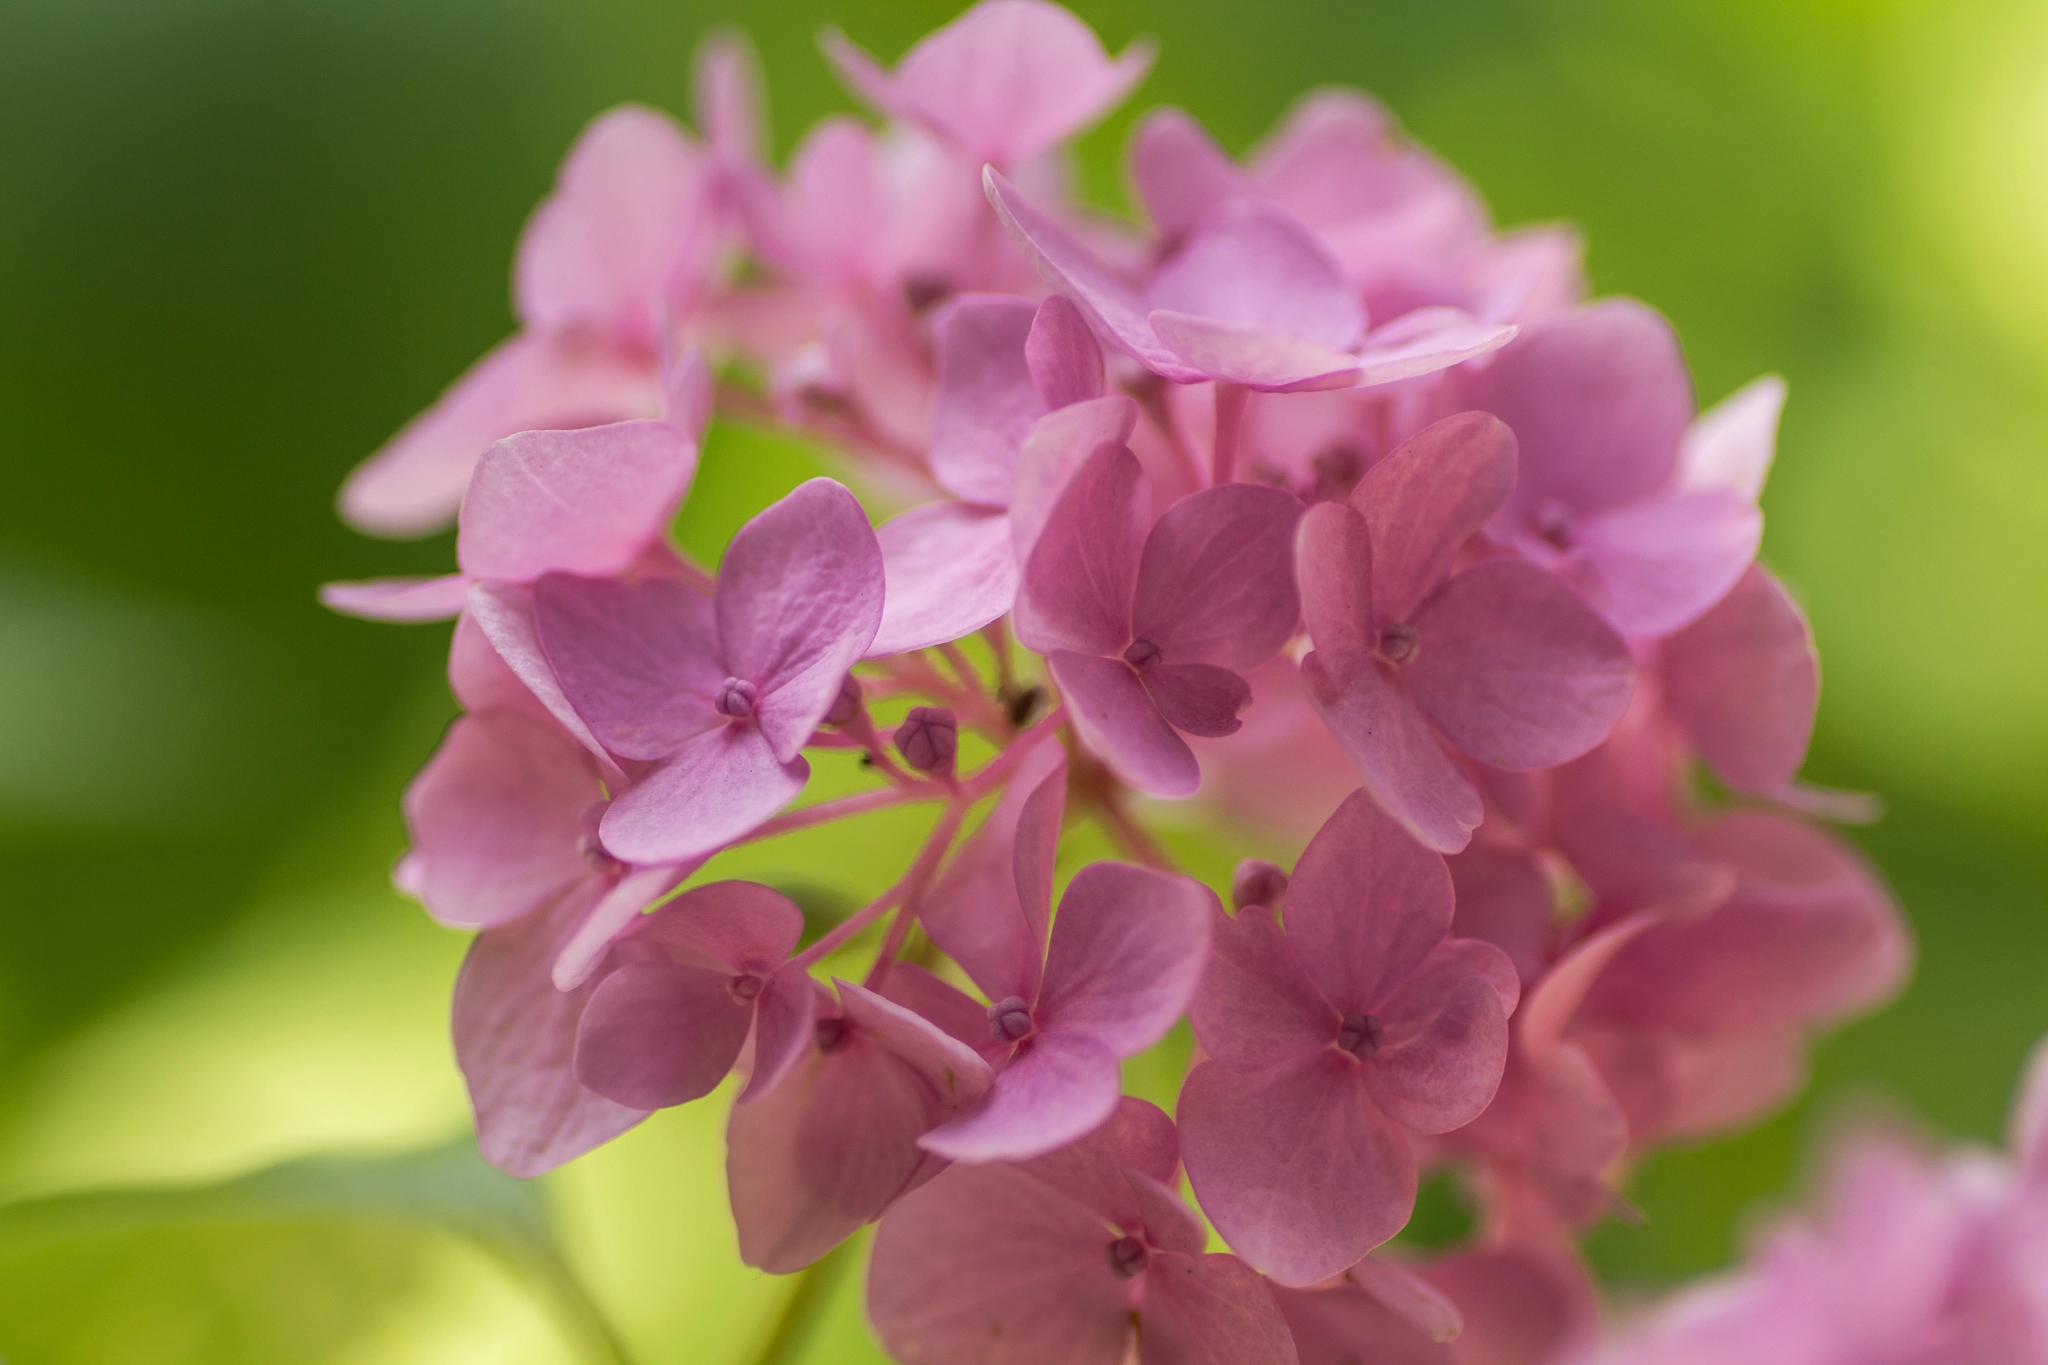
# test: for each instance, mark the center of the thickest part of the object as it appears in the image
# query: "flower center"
(1141, 653)
(1400, 643)
(1554, 524)
(1360, 1035)
(1009, 1019)
(736, 698)
(1126, 1256)
(832, 1035)
(744, 987)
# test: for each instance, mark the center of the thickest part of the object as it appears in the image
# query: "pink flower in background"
(1068, 1258)
(1329, 1043)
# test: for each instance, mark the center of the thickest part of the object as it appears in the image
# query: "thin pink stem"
(979, 784)
(911, 883)
(914, 883)
(1230, 400)
(840, 808)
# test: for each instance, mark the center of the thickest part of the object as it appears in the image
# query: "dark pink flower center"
(928, 739)
(736, 698)
(1400, 643)
(1554, 524)
(832, 1034)
(1141, 653)
(1257, 882)
(1126, 1256)
(745, 987)
(1360, 1035)
(1009, 1019)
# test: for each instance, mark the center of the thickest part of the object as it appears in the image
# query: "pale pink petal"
(1556, 996)
(1256, 1006)
(1398, 756)
(1216, 581)
(1516, 669)
(658, 1032)
(1426, 499)
(1257, 357)
(951, 1010)
(1366, 906)
(984, 1264)
(584, 502)
(799, 600)
(504, 614)
(1005, 81)
(1127, 950)
(1333, 557)
(481, 680)
(1210, 1310)
(515, 1035)
(496, 818)
(985, 400)
(413, 486)
(1424, 342)
(1061, 1086)
(1663, 563)
(602, 252)
(639, 662)
(1077, 585)
(744, 927)
(975, 911)
(949, 570)
(1731, 444)
(784, 1019)
(1742, 682)
(1198, 699)
(688, 394)
(1179, 171)
(1294, 1165)
(1413, 1299)
(398, 599)
(1038, 841)
(1339, 155)
(714, 789)
(1095, 1170)
(1065, 362)
(955, 1074)
(1259, 269)
(1446, 1038)
(583, 949)
(1119, 721)
(1059, 443)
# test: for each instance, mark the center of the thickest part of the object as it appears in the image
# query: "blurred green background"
(242, 241)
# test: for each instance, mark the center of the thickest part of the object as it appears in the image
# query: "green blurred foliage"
(245, 239)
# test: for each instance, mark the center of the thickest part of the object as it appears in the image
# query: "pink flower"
(1067, 1258)
(1004, 82)
(622, 243)
(1500, 658)
(1148, 632)
(1742, 682)
(718, 693)
(1331, 1042)
(1607, 492)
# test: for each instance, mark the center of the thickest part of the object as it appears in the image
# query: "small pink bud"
(736, 697)
(1009, 1019)
(745, 987)
(1141, 653)
(1400, 643)
(1360, 1035)
(847, 704)
(1126, 1256)
(1257, 882)
(928, 739)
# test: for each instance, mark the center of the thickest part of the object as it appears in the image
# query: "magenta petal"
(946, 1007)
(1038, 842)
(1179, 171)
(1065, 362)
(1060, 443)
(984, 400)
(398, 599)
(584, 948)
(1426, 499)
(1742, 682)
(783, 1021)
(1256, 1006)
(1446, 1038)
(584, 502)
(714, 789)
(1665, 562)
(504, 615)
(482, 681)
(1118, 720)
(1258, 269)
(1060, 1087)
(1094, 1171)
(949, 568)
(975, 911)
(1127, 950)
(1329, 1324)
(1730, 446)
(1256, 357)
(742, 926)
(640, 662)
(955, 1074)
(1210, 1310)
(657, 1033)
(1397, 755)
(1424, 342)
(984, 1264)
(1076, 591)
(1294, 1165)
(1216, 580)
(515, 1035)
(496, 819)
(1333, 556)
(1505, 899)
(1366, 906)
(1199, 699)
(1516, 669)
(799, 600)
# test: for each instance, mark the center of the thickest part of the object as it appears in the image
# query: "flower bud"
(1360, 1035)
(736, 698)
(928, 739)
(847, 704)
(1126, 1256)
(1399, 643)
(1257, 882)
(1009, 1019)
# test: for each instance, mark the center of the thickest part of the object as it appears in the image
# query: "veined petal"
(950, 569)
(1061, 353)
(1446, 1038)
(742, 926)
(1061, 1087)
(1077, 584)
(1127, 950)
(1743, 681)
(1426, 499)
(1397, 755)
(639, 662)
(1118, 720)
(1179, 171)
(984, 399)
(1210, 1310)
(1333, 558)
(1254, 268)
(1198, 699)
(711, 791)
(1257, 357)
(1366, 906)
(1257, 1007)
(1059, 444)
(976, 912)
(1215, 583)
(1426, 341)
(1665, 562)
(398, 599)
(504, 614)
(659, 1032)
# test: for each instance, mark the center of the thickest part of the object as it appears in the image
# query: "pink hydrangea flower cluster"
(1316, 500)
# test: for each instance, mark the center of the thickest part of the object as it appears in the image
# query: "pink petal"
(1059, 444)
(1199, 699)
(1216, 581)
(784, 1019)
(604, 250)
(1005, 81)
(1523, 1307)
(975, 911)
(1060, 1087)
(1742, 682)
(1424, 342)
(984, 1264)
(742, 926)
(584, 947)
(1260, 270)
(1397, 755)
(687, 392)
(1076, 591)
(1730, 446)
(639, 662)
(413, 486)
(1259, 358)
(951, 1010)
(985, 399)
(1119, 721)
(1210, 1310)
(1095, 1170)
(1331, 1325)
(1516, 669)
(1038, 842)
(1413, 1299)
(725, 95)
(1446, 1038)
(1505, 899)
(1168, 1221)
(659, 1032)
(504, 614)
(584, 502)
(1179, 171)
(496, 819)
(1127, 950)
(481, 680)
(711, 791)
(1065, 362)
(1663, 563)
(955, 1074)
(1257, 1007)
(799, 600)
(949, 569)
(398, 599)
(1556, 996)
(1333, 559)
(1294, 1165)
(1426, 499)
(515, 1035)
(1366, 906)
